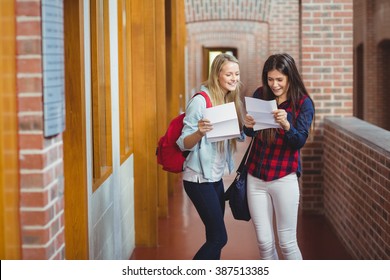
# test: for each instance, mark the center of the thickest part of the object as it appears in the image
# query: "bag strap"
(245, 157)
(239, 170)
(206, 96)
(208, 102)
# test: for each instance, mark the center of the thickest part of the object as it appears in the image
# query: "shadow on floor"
(182, 234)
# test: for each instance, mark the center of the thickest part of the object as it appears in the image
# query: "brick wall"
(238, 24)
(317, 33)
(357, 185)
(372, 35)
(256, 28)
(284, 28)
(249, 38)
(327, 70)
(41, 159)
(200, 10)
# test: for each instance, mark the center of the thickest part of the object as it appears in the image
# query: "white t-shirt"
(218, 169)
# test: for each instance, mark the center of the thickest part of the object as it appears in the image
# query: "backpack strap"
(206, 96)
(208, 101)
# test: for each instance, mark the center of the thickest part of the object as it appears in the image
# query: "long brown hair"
(217, 95)
(285, 64)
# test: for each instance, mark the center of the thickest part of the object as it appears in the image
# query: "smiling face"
(278, 82)
(229, 77)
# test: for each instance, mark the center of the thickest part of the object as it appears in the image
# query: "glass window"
(210, 53)
(101, 95)
(125, 98)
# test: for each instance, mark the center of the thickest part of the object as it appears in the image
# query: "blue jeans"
(208, 199)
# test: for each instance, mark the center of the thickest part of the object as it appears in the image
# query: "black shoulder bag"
(236, 193)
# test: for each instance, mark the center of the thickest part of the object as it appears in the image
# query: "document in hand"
(261, 111)
(224, 120)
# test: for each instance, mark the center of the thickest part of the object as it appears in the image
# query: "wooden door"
(9, 168)
(76, 193)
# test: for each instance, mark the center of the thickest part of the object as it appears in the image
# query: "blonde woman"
(206, 162)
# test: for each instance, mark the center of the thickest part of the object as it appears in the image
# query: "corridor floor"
(182, 233)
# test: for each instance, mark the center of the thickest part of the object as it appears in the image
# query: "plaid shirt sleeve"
(297, 135)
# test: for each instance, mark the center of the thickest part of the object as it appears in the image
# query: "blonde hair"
(217, 94)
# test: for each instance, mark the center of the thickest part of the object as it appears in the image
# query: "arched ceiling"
(211, 10)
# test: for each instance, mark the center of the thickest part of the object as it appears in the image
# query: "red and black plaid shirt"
(281, 158)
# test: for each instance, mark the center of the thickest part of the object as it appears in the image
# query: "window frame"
(125, 81)
(101, 93)
(206, 58)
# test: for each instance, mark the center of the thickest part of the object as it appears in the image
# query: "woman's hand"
(249, 121)
(280, 116)
(204, 126)
(191, 140)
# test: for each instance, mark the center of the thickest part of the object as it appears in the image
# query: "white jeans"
(281, 196)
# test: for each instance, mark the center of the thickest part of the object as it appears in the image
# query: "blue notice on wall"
(53, 67)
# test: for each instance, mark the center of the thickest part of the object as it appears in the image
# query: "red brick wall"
(41, 159)
(256, 28)
(372, 32)
(327, 70)
(243, 25)
(357, 186)
(317, 33)
(249, 38)
(284, 28)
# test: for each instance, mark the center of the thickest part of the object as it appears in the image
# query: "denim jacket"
(202, 156)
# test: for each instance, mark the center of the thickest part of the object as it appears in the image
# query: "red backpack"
(168, 152)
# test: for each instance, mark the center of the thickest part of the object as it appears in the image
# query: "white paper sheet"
(261, 111)
(224, 120)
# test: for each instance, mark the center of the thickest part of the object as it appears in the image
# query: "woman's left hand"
(280, 116)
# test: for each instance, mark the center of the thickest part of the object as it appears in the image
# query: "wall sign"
(53, 67)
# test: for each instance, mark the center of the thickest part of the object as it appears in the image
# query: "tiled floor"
(182, 234)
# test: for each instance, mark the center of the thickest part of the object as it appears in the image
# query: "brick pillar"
(41, 159)
(327, 70)
(370, 65)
